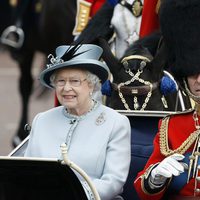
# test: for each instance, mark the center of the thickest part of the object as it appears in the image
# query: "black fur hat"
(180, 27)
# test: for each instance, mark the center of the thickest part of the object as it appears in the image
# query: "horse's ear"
(160, 59)
(111, 60)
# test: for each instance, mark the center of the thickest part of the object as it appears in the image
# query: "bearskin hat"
(180, 27)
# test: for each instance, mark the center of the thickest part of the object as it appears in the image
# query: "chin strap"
(192, 96)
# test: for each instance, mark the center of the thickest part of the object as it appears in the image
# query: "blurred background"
(29, 27)
(10, 107)
(26, 28)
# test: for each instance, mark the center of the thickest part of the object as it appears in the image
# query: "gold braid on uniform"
(164, 146)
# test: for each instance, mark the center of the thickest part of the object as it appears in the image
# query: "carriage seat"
(144, 126)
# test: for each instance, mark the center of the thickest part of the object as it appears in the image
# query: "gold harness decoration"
(13, 3)
(135, 77)
(82, 17)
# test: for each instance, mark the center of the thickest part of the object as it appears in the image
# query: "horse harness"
(147, 88)
(134, 90)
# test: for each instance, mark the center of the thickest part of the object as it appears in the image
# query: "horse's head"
(136, 60)
(140, 79)
(137, 76)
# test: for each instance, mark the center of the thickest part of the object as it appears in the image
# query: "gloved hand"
(169, 167)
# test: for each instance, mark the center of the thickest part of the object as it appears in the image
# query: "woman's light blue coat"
(98, 142)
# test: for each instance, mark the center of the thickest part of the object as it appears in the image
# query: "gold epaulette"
(82, 16)
(158, 6)
(38, 7)
(13, 3)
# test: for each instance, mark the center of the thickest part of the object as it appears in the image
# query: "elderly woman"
(173, 170)
(97, 137)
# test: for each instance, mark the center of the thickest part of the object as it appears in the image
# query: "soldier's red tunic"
(179, 129)
(95, 6)
(150, 20)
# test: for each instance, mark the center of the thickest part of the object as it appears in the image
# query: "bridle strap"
(134, 90)
(131, 57)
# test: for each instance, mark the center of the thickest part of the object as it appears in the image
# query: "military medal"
(137, 8)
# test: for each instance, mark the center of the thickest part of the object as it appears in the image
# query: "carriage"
(46, 173)
(35, 179)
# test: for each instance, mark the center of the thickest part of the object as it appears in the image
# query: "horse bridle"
(147, 88)
(135, 90)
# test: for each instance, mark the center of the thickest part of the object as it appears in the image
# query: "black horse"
(5, 14)
(140, 78)
(45, 25)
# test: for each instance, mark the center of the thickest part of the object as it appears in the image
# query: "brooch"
(100, 119)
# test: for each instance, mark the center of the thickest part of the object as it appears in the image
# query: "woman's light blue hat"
(82, 56)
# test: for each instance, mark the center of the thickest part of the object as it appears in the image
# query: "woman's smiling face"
(73, 90)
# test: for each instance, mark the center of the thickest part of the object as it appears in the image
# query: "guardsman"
(173, 170)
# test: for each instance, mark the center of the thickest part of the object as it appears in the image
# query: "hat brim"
(94, 66)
